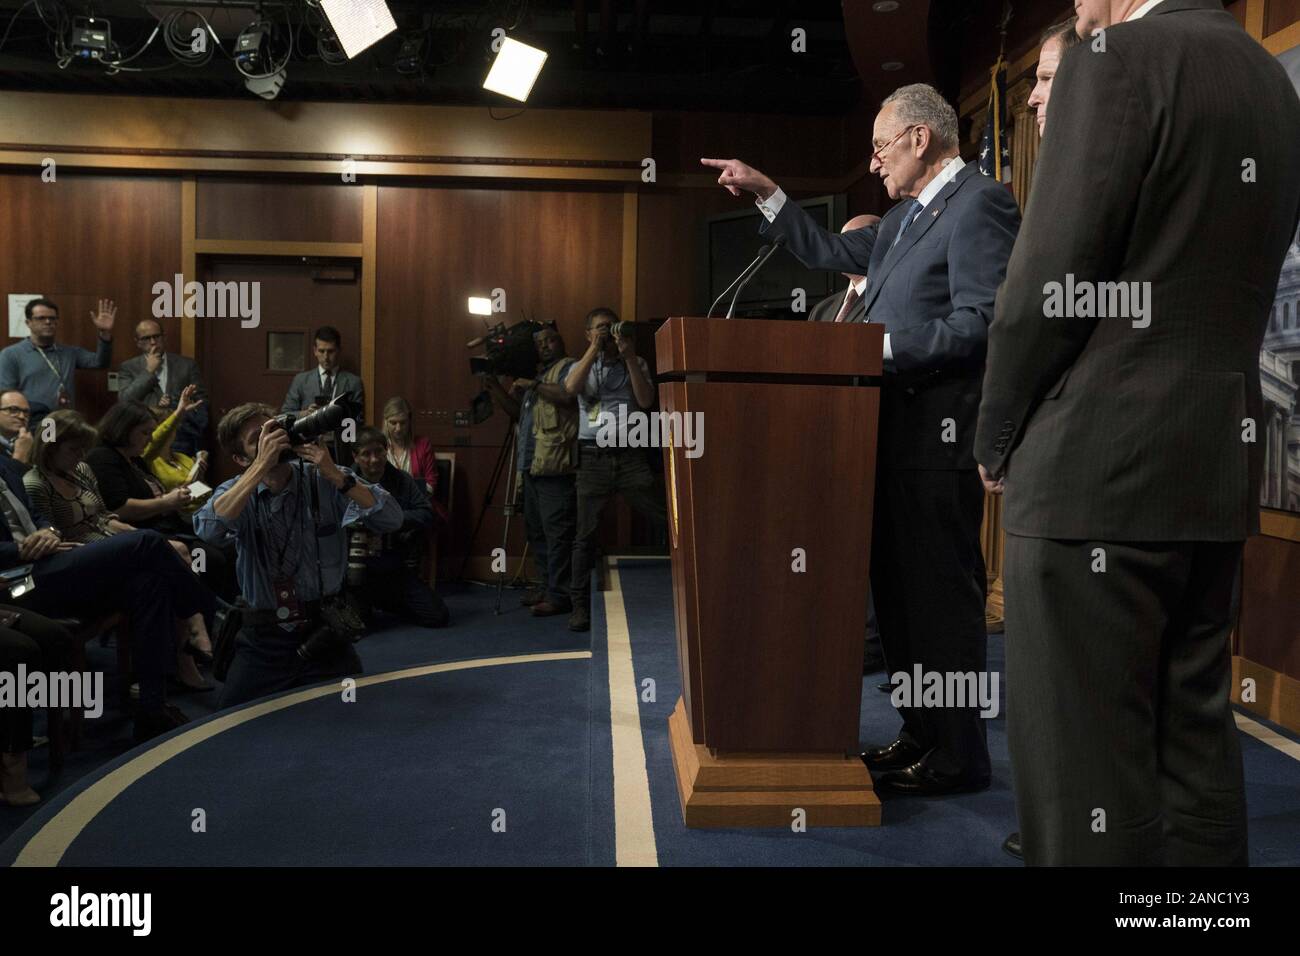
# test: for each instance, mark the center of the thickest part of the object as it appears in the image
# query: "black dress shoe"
(1012, 845)
(918, 780)
(896, 756)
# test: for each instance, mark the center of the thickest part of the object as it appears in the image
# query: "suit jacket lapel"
(919, 228)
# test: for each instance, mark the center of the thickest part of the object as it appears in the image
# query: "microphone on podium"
(744, 272)
(767, 253)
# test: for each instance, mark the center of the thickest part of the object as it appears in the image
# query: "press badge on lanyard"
(288, 608)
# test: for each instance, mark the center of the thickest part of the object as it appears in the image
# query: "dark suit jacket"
(934, 293)
(135, 384)
(306, 386)
(1104, 430)
(829, 307)
(12, 474)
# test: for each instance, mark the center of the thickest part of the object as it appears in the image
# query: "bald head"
(858, 222)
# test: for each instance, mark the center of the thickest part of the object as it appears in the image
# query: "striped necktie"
(909, 217)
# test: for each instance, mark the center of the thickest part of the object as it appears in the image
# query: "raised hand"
(735, 176)
(105, 317)
(188, 402)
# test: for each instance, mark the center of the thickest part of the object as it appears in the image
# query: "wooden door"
(296, 296)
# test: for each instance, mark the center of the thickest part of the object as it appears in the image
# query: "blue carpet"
(414, 771)
(965, 830)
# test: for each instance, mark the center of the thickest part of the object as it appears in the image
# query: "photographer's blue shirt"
(276, 535)
(608, 388)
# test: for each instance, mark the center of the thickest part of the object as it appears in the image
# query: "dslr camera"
(307, 429)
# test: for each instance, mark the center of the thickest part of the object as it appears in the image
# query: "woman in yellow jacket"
(173, 468)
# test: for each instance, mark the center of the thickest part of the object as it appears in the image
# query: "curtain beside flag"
(995, 147)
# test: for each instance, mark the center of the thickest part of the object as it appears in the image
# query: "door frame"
(192, 247)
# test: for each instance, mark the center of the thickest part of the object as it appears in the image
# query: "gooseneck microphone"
(744, 272)
(766, 254)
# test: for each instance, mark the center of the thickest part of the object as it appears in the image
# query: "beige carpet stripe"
(634, 832)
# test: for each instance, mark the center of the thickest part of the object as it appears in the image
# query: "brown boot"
(547, 609)
(533, 596)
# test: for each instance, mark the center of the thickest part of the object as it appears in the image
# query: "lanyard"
(57, 374)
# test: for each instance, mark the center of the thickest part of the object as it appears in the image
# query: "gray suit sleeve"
(132, 387)
(1086, 186)
(293, 401)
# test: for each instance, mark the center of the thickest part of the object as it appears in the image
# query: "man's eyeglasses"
(44, 318)
(879, 152)
(16, 410)
(149, 338)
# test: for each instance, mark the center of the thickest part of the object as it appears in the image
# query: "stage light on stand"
(515, 70)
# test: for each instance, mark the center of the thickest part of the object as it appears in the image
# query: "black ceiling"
(732, 55)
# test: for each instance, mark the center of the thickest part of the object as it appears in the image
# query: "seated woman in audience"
(63, 487)
(131, 491)
(40, 645)
(174, 469)
(128, 487)
(410, 454)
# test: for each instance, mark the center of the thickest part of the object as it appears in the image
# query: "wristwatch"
(349, 482)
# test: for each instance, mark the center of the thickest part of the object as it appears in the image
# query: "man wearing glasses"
(934, 264)
(157, 377)
(15, 439)
(46, 372)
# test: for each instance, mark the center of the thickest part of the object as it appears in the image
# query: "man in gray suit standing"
(1120, 409)
(849, 305)
(317, 387)
(157, 377)
(933, 264)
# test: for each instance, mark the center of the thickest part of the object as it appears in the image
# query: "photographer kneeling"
(383, 569)
(288, 520)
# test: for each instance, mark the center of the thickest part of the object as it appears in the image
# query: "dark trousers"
(928, 584)
(602, 473)
(42, 645)
(551, 515)
(137, 573)
(1118, 686)
(266, 662)
(393, 586)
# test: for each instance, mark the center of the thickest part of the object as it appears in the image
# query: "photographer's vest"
(555, 429)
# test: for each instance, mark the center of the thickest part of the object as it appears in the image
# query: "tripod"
(506, 458)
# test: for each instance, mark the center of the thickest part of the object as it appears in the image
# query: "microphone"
(762, 261)
(744, 272)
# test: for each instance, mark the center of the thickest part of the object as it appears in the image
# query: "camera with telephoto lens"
(340, 625)
(622, 329)
(307, 429)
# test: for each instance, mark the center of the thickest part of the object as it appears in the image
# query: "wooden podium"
(770, 531)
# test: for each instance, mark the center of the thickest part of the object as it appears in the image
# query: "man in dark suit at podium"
(934, 264)
(849, 305)
(1126, 437)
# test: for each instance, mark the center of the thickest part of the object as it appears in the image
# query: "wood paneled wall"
(83, 237)
(556, 253)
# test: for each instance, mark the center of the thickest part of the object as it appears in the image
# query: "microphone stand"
(763, 257)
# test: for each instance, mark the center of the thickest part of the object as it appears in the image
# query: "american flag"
(995, 149)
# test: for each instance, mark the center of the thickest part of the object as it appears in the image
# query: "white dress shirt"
(1143, 10)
